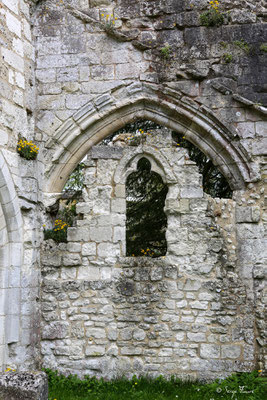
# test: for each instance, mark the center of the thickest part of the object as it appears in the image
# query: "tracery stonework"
(69, 78)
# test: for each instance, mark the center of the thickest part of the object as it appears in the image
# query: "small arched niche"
(146, 221)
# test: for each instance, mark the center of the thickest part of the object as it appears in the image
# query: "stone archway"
(11, 260)
(111, 111)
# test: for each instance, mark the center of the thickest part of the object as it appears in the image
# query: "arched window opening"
(214, 183)
(63, 213)
(146, 221)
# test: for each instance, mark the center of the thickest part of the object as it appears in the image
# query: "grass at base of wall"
(245, 386)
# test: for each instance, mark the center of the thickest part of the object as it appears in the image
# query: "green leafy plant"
(58, 233)
(74, 184)
(137, 139)
(247, 385)
(223, 44)
(165, 51)
(263, 47)
(109, 20)
(227, 58)
(27, 149)
(242, 45)
(241, 386)
(212, 17)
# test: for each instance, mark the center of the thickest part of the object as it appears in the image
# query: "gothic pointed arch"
(111, 111)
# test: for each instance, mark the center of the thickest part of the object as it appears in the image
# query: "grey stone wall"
(189, 313)
(18, 190)
(68, 79)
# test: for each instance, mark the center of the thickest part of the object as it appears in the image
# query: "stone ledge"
(23, 386)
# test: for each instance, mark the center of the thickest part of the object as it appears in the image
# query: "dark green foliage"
(57, 236)
(75, 182)
(145, 219)
(65, 218)
(144, 388)
(165, 52)
(227, 58)
(68, 211)
(211, 18)
(263, 47)
(133, 127)
(214, 183)
(242, 45)
(246, 385)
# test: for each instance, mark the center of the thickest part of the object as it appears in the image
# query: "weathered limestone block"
(209, 351)
(247, 214)
(23, 386)
(71, 259)
(56, 330)
(231, 351)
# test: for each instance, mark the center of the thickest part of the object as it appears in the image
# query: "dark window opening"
(214, 183)
(146, 221)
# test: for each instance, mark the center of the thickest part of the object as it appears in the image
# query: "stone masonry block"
(192, 284)
(24, 385)
(95, 351)
(88, 273)
(80, 234)
(196, 337)
(52, 259)
(56, 330)
(191, 192)
(89, 249)
(71, 259)
(96, 333)
(74, 247)
(231, 351)
(108, 250)
(118, 206)
(120, 191)
(12, 5)
(247, 214)
(209, 351)
(119, 234)
(101, 234)
(13, 24)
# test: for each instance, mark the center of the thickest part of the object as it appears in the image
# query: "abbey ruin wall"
(72, 73)
(189, 313)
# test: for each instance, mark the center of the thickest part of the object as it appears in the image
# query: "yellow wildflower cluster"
(135, 140)
(60, 225)
(147, 252)
(10, 369)
(108, 19)
(27, 149)
(214, 5)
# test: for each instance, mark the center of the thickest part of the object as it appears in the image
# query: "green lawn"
(245, 386)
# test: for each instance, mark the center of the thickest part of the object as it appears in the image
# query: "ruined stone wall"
(69, 77)
(189, 313)
(18, 189)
